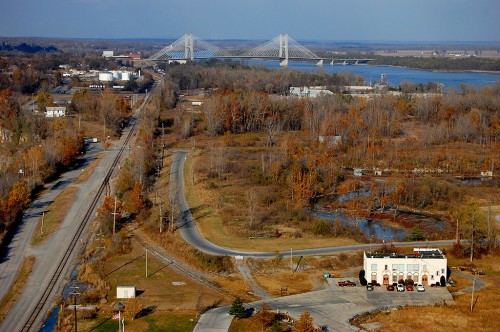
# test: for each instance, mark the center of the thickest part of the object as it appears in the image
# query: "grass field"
(170, 307)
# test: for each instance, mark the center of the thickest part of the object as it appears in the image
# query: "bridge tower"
(188, 46)
(284, 54)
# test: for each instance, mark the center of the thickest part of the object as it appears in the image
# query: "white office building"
(424, 266)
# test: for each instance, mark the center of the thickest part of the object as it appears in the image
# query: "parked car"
(369, 287)
(400, 288)
(347, 283)
(420, 288)
(409, 288)
(390, 288)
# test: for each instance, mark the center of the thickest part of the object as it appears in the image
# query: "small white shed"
(125, 292)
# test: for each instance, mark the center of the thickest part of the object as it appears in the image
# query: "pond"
(376, 229)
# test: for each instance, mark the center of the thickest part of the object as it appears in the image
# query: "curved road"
(189, 231)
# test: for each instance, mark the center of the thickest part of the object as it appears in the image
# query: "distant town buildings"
(309, 92)
(55, 112)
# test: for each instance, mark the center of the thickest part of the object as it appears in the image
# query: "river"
(395, 75)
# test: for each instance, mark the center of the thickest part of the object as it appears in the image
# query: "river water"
(395, 75)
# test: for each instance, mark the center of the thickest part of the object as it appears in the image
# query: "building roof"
(417, 253)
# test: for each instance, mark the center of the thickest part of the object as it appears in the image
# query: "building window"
(394, 277)
(401, 267)
(432, 277)
(394, 267)
(425, 268)
(442, 271)
(374, 267)
(385, 267)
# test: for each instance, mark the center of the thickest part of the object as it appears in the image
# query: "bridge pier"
(188, 47)
(320, 63)
(283, 52)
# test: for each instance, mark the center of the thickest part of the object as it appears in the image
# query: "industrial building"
(424, 266)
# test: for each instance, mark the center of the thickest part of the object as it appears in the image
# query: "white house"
(312, 92)
(424, 265)
(125, 292)
(55, 112)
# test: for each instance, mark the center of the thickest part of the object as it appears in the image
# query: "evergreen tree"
(237, 309)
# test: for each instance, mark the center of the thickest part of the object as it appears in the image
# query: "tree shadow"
(147, 311)
(101, 323)
(161, 268)
(123, 265)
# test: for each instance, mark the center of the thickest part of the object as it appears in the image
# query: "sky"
(327, 20)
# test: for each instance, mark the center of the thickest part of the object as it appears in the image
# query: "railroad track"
(63, 265)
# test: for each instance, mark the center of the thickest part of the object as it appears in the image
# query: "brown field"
(207, 212)
(171, 306)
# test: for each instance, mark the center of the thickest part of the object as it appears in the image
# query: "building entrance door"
(424, 279)
(386, 279)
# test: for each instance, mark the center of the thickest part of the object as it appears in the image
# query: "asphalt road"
(11, 261)
(50, 253)
(189, 231)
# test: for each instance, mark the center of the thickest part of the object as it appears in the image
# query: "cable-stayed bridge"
(282, 48)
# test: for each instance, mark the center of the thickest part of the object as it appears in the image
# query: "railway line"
(43, 301)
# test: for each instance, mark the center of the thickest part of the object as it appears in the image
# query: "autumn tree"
(133, 200)
(305, 324)
(133, 308)
(473, 225)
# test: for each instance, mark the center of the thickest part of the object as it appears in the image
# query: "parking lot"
(333, 307)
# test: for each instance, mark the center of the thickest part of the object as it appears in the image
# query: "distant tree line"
(439, 63)
(28, 48)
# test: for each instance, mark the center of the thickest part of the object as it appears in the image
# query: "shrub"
(362, 279)
(321, 227)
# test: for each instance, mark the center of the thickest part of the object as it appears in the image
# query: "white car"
(420, 288)
(400, 288)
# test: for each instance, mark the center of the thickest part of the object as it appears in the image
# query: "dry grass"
(54, 216)
(15, 291)
(295, 283)
(130, 269)
(204, 204)
(235, 285)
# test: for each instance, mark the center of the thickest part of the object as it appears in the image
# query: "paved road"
(10, 262)
(189, 231)
(50, 253)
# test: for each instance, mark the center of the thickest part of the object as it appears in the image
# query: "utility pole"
(41, 227)
(146, 262)
(114, 218)
(161, 218)
(291, 259)
(75, 293)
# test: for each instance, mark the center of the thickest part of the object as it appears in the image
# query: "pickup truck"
(347, 283)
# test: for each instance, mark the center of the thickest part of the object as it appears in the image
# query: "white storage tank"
(105, 76)
(116, 74)
(126, 76)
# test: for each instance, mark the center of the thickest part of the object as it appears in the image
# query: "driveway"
(332, 308)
